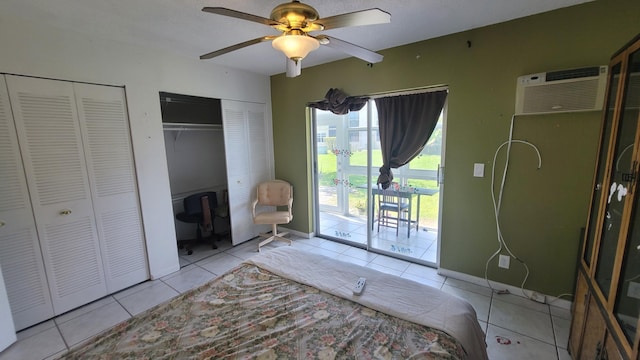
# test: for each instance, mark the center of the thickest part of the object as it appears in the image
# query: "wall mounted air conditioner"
(561, 91)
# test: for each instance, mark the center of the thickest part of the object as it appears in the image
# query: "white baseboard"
(297, 233)
(551, 300)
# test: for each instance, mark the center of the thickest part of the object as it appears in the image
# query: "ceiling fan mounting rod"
(295, 32)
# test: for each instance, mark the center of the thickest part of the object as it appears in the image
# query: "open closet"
(220, 146)
(194, 144)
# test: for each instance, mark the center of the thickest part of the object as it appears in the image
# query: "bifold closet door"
(107, 146)
(248, 163)
(48, 130)
(20, 255)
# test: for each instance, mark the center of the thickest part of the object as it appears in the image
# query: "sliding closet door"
(7, 328)
(20, 255)
(107, 146)
(49, 135)
(259, 146)
(248, 163)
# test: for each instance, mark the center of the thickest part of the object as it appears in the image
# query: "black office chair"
(222, 213)
(199, 209)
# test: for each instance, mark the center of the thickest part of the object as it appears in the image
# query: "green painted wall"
(543, 210)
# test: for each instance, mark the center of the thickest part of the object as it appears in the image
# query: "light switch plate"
(503, 261)
(478, 170)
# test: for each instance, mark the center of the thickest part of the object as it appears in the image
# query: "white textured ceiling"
(180, 26)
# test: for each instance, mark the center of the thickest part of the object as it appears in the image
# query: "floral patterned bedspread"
(251, 313)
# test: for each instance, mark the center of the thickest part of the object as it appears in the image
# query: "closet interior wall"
(195, 151)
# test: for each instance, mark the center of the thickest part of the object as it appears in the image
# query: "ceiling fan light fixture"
(295, 47)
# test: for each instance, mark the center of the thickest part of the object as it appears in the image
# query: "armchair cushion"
(276, 217)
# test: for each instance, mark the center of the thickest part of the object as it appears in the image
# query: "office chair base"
(186, 247)
(274, 235)
(188, 243)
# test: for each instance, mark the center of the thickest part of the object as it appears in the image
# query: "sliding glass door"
(341, 175)
(347, 207)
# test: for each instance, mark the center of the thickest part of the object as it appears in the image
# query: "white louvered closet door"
(105, 131)
(259, 145)
(20, 255)
(258, 140)
(49, 135)
(242, 164)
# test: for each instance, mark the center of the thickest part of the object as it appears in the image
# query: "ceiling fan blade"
(357, 18)
(241, 15)
(236, 47)
(349, 48)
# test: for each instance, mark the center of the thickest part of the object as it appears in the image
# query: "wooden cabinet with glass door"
(607, 305)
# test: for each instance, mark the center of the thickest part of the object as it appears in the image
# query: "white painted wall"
(28, 48)
(196, 160)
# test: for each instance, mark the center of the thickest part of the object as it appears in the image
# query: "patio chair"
(390, 208)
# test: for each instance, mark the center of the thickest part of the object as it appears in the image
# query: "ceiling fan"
(296, 21)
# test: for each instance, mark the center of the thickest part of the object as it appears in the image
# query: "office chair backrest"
(193, 203)
(275, 193)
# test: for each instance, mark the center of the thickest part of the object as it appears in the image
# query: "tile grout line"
(125, 309)
(486, 340)
(66, 344)
(553, 331)
(172, 288)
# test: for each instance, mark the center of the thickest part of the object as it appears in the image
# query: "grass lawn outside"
(327, 168)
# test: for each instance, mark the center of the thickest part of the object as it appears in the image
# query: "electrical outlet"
(539, 298)
(503, 261)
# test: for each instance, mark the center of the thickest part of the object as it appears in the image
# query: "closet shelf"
(191, 127)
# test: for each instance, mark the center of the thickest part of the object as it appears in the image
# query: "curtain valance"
(339, 103)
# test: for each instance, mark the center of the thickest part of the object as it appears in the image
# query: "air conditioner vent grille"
(574, 96)
(561, 91)
(573, 73)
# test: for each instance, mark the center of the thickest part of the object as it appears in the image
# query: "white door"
(248, 163)
(48, 130)
(20, 254)
(7, 330)
(107, 147)
(259, 146)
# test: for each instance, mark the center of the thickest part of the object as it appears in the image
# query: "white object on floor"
(359, 286)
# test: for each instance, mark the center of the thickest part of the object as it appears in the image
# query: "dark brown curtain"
(405, 124)
(339, 103)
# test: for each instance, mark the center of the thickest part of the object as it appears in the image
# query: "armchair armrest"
(290, 206)
(253, 208)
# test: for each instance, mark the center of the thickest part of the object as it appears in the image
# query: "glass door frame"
(439, 177)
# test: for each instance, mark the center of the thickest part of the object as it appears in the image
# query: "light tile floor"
(421, 244)
(516, 328)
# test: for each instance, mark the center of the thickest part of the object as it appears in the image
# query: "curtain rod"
(399, 92)
(408, 91)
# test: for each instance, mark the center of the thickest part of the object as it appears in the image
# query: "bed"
(291, 304)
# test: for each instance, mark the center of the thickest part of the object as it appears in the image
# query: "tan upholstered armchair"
(273, 193)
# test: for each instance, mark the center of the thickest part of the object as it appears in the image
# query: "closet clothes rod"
(191, 127)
